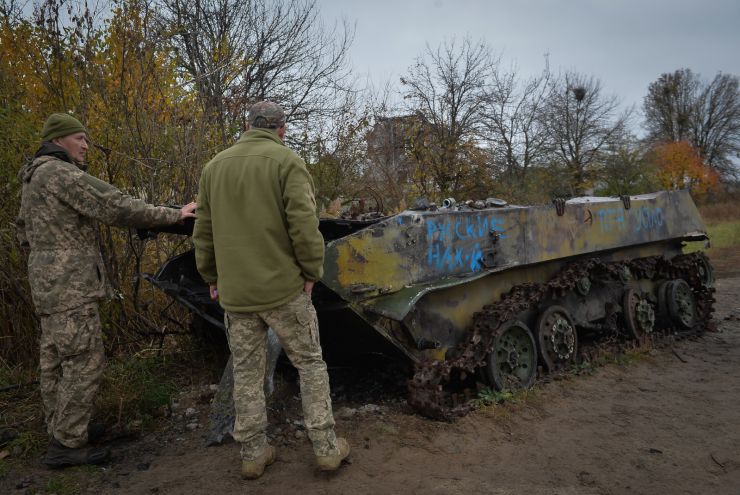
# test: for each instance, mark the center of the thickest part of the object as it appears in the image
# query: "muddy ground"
(665, 421)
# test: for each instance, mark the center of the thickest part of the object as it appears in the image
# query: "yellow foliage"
(681, 167)
(122, 82)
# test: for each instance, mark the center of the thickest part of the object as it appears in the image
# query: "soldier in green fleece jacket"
(258, 246)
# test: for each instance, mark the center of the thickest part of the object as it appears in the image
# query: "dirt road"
(664, 422)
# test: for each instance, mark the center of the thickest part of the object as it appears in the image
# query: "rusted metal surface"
(438, 388)
(432, 270)
(457, 289)
(434, 247)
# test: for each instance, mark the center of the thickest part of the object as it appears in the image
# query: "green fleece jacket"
(256, 231)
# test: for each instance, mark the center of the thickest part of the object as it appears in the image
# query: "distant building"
(390, 164)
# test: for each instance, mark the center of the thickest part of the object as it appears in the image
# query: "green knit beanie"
(60, 125)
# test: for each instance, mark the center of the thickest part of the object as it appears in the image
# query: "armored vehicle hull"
(494, 294)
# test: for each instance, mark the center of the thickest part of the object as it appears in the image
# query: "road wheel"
(680, 303)
(512, 364)
(557, 338)
(639, 316)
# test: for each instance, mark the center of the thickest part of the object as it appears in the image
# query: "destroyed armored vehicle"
(488, 293)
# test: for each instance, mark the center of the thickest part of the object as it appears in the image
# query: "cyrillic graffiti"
(611, 219)
(649, 218)
(454, 245)
(644, 218)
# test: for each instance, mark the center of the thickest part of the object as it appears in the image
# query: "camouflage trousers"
(296, 325)
(71, 362)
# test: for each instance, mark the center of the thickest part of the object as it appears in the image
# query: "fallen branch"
(18, 385)
(717, 462)
(678, 356)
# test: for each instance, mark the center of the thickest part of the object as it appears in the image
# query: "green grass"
(132, 392)
(29, 443)
(488, 396)
(721, 235)
(62, 485)
(725, 234)
(4, 468)
(135, 388)
(12, 375)
(621, 358)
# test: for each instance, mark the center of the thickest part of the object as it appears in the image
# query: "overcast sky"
(625, 43)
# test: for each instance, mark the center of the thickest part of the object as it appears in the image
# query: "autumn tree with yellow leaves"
(125, 73)
(680, 166)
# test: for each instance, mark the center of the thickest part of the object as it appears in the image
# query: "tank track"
(435, 390)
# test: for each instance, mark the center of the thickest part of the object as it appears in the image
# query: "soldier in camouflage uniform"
(258, 245)
(60, 206)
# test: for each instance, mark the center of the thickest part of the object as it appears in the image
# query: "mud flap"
(221, 417)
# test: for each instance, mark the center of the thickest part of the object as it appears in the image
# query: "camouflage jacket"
(60, 205)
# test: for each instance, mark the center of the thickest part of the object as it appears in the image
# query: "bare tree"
(337, 153)
(11, 12)
(626, 169)
(446, 90)
(679, 106)
(236, 52)
(514, 124)
(669, 104)
(581, 122)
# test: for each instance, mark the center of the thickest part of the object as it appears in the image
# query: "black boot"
(59, 456)
(95, 432)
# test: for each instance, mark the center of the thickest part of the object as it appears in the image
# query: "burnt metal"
(625, 275)
(583, 286)
(557, 338)
(639, 315)
(445, 286)
(185, 227)
(422, 204)
(706, 273)
(680, 303)
(429, 389)
(362, 288)
(424, 343)
(495, 203)
(512, 363)
(336, 228)
(419, 249)
(660, 295)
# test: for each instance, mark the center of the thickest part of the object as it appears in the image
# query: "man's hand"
(188, 211)
(308, 287)
(213, 290)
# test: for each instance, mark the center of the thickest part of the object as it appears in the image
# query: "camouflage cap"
(266, 115)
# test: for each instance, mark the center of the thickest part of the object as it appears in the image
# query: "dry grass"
(720, 212)
(22, 415)
(134, 389)
(724, 236)
(723, 226)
